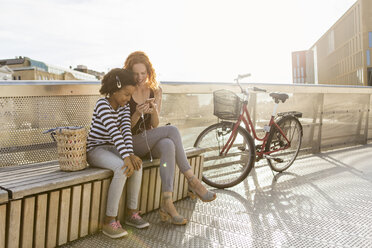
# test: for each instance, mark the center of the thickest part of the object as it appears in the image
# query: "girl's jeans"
(108, 157)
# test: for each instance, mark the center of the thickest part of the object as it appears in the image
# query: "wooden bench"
(41, 206)
(46, 207)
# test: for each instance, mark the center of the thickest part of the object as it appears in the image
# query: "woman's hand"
(136, 161)
(144, 108)
(129, 166)
(153, 107)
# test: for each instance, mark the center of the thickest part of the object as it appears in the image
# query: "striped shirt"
(111, 127)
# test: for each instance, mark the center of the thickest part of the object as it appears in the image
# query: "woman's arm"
(156, 106)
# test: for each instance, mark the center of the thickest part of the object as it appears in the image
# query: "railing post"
(365, 140)
(317, 145)
(252, 107)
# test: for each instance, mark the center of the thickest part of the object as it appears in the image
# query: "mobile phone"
(150, 100)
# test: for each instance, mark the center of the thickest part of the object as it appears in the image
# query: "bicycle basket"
(227, 105)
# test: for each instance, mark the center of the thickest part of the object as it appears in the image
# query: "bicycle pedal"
(241, 148)
(278, 160)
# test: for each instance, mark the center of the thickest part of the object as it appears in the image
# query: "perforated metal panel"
(23, 119)
(332, 116)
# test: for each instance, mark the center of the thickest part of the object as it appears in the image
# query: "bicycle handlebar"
(241, 76)
(258, 89)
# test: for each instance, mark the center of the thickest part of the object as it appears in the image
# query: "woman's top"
(141, 124)
(111, 127)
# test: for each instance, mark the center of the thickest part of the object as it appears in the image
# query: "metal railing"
(333, 116)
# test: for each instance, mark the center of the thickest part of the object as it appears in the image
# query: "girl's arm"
(122, 142)
(135, 117)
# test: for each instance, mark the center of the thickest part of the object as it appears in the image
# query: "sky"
(186, 40)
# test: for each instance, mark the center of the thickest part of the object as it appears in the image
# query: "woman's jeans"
(165, 143)
(108, 157)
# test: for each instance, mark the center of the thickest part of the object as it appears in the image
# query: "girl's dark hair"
(110, 83)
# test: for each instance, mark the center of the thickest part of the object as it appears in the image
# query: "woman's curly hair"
(110, 82)
(140, 57)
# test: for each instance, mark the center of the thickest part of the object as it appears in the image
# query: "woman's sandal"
(207, 197)
(176, 220)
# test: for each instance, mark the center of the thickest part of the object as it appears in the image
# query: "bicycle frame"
(249, 127)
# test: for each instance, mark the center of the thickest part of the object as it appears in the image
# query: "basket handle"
(52, 131)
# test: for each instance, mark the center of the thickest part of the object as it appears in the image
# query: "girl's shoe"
(207, 197)
(136, 220)
(114, 230)
(176, 220)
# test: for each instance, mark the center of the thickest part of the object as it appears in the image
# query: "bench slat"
(26, 168)
(2, 224)
(14, 223)
(145, 188)
(94, 210)
(23, 177)
(40, 222)
(85, 207)
(157, 189)
(54, 182)
(180, 186)
(105, 186)
(175, 183)
(75, 213)
(122, 204)
(3, 197)
(28, 221)
(150, 204)
(52, 219)
(64, 216)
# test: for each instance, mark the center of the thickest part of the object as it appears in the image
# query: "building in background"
(25, 68)
(83, 68)
(6, 73)
(342, 56)
(303, 67)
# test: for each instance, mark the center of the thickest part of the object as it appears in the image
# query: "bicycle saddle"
(279, 96)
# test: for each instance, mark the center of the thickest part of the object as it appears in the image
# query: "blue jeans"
(108, 157)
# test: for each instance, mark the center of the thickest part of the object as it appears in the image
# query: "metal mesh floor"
(323, 200)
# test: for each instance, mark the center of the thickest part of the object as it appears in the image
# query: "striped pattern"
(111, 127)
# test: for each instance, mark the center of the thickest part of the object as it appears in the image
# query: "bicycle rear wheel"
(223, 171)
(282, 159)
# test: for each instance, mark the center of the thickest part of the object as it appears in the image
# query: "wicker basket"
(227, 104)
(72, 148)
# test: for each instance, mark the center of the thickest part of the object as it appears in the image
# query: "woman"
(161, 142)
(110, 146)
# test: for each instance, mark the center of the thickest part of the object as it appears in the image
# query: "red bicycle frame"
(246, 118)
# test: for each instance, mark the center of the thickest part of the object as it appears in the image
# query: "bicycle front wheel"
(223, 171)
(281, 159)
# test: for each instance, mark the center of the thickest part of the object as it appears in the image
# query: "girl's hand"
(129, 166)
(136, 161)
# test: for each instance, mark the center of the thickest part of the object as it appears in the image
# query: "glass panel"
(368, 55)
(370, 39)
(343, 118)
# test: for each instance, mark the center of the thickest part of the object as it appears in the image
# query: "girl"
(162, 142)
(110, 146)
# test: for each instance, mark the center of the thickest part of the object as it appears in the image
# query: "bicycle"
(229, 149)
